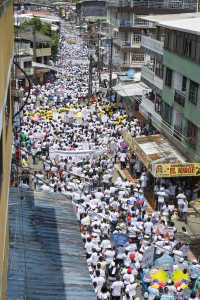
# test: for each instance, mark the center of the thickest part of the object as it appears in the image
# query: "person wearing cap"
(194, 272)
(171, 288)
(117, 288)
(127, 277)
(131, 287)
(33, 152)
(161, 198)
(109, 254)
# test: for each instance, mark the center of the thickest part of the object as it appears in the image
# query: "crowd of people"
(77, 143)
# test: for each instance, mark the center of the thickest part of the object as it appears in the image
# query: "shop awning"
(160, 157)
(130, 89)
(107, 76)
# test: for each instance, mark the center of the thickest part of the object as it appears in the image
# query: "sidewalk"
(193, 218)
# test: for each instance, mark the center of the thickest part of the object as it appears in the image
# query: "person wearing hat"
(131, 287)
(161, 198)
(171, 288)
(194, 271)
(117, 288)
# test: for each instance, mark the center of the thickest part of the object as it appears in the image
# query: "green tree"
(36, 23)
(46, 29)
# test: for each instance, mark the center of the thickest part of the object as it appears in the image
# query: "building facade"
(127, 27)
(6, 60)
(174, 108)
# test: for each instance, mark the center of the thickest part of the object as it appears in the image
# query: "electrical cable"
(29, 82)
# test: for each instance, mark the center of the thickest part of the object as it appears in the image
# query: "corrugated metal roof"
(46, 255)
(159, 149)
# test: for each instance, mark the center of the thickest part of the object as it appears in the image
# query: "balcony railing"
(179, 98)
(120, 23)
(177, 132)
(151, 44)
(122, 43)
(147, 74)
(172, 4)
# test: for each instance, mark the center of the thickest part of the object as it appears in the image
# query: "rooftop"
(40, 38)
(189, 22)
(46, 255)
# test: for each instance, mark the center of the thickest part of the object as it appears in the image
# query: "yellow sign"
(176, 170)
(138, 151)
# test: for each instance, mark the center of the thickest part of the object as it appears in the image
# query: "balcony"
(179, 98)
(152, 44)
(147, 74)
(177, 132)
(120, 23)
(41, 52)
(122, 44)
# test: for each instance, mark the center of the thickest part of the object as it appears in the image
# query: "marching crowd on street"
(78, 142)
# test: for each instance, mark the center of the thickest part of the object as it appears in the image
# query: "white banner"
(78, 153)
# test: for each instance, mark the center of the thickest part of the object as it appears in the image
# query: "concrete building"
(6, 60)
(127, 28)
(24, 50)
(173, 106)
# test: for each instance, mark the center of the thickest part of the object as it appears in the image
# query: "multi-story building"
(174, 104)
(127, 28)
(6, 60)
(24, 50)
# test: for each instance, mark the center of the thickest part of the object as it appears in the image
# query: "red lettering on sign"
(172, 171)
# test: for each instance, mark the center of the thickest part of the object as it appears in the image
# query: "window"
(125, 57)
(27, 64)
(166, 112)
(137, 58)
(158, 103)
(168, 79)
(140, 21)
(192, 132)
(159, 69)
(187, 44)
(137, 38)
(193, 93)
(168, 39)
(184, 82)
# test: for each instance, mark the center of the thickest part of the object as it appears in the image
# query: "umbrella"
(36, 119)
(38, 135)
(123, 144)
(85, 123)
(78, 115)
(119, 239)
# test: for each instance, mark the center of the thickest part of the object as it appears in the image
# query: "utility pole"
(110, 67)
(90, 80)
(99, 60)
(34, 53)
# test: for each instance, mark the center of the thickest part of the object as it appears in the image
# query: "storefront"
(161, 158)
(126, 95)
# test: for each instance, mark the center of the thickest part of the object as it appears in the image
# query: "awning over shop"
(107, 76)
(131, 89)
(160, 157)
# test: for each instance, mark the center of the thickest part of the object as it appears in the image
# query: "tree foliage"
(43, 28)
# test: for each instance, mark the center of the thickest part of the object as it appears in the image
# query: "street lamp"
(91, 54)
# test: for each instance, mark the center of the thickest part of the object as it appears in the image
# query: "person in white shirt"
(117, 288)
(99, 280)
